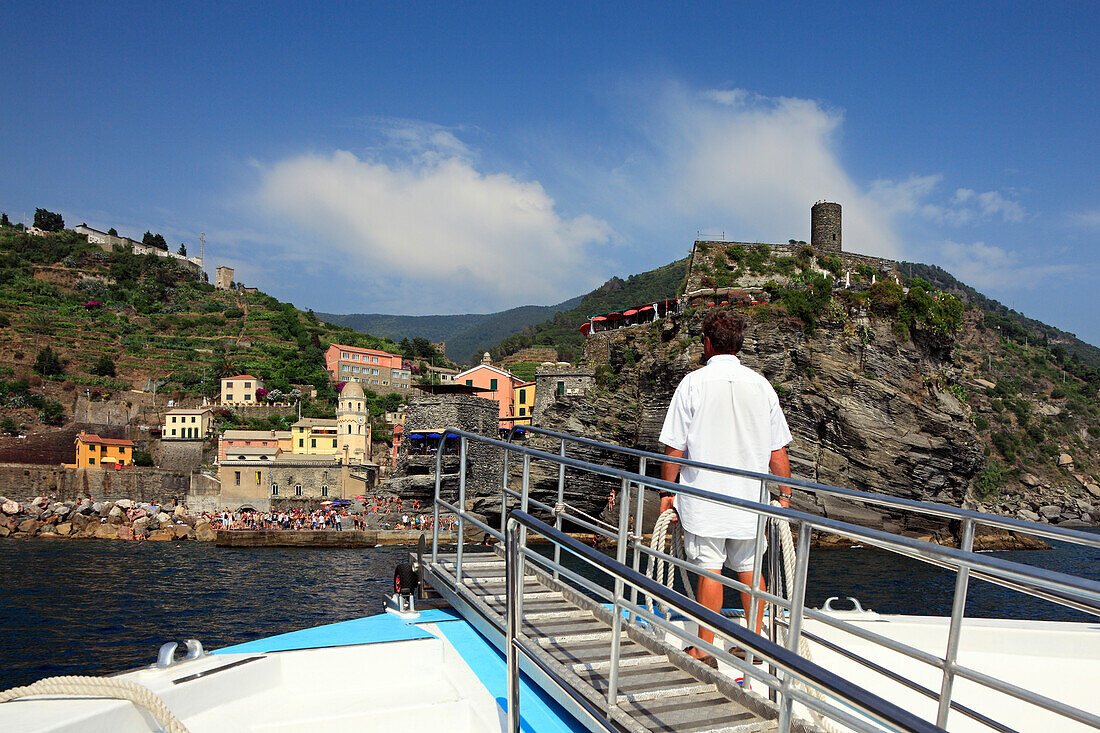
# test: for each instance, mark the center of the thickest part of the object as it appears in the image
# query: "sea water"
(99, 606)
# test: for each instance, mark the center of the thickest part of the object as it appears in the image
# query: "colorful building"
(268, 442)
(313, 436)
(93, 451)
(187, 423)
(376, 370)
(523, 403)
(497, 385)
(241, 390)
(352, 426)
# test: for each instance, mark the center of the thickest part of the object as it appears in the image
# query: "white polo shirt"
(728, 415)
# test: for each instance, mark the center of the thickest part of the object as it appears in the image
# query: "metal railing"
(1057, 587)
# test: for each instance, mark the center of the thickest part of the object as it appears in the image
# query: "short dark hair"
(725, 329)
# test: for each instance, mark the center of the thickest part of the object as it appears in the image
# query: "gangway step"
(655, 692)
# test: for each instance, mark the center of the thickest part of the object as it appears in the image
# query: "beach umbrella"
(416, 436)
(434, 436)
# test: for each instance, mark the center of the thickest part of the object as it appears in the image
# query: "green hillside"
(1015, 326)
(78, 321)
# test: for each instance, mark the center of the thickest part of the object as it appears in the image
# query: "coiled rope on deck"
(104, 687)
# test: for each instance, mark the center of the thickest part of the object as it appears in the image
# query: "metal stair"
(659, 687)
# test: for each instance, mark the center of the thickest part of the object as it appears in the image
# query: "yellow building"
(186, 423)
(94, 451)
(241, 389)
(352, 426)
(523, 402)
(313, 436)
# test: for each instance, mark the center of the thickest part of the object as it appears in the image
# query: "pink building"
(500, 386)
(265, 442)
(376, 370)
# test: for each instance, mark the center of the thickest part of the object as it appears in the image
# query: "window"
(192, 418)
(324, 491)
(523, 397)
(313, 442)
(522, 411)
(297, 489)
(173, 431)
(469, 383)
(274, 489)
(173, 418)
(493, 385)
(237, 477)
(334, 442)
(229, 398)
(258, 477)
(248, 385)
(247, 397)
(229, 385)
(301, 442)
(91, 461)
(561, 389)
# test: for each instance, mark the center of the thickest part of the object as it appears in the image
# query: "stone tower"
(352, 426)
(223, 278)
(825, 227)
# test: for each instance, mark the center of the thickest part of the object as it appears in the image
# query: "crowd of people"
(378, 512)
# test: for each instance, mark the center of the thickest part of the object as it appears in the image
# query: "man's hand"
(666, 504)
(780, 465)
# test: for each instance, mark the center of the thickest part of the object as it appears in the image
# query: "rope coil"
(103, 687)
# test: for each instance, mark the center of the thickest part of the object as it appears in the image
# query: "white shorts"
(711, 553)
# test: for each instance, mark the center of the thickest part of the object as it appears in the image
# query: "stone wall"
(566, 380)
(178, 455)
(413, 477)
(141, 484)
(825, 227)
(536, 354)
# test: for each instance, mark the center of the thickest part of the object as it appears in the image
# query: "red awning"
(586, 327)
(599, 318)
(645, 308)
(614, 316)
(630, 312)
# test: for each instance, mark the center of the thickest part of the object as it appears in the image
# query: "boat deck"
(659, 687)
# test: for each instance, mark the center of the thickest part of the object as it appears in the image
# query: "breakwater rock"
(123, 519)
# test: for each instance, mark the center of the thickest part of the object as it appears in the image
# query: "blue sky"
(449, 158)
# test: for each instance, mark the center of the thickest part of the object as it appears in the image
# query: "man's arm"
(779, 465)
(669, 473)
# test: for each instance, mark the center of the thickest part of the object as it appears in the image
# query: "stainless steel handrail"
(894, 502)
(793, 666)
(1061, 588)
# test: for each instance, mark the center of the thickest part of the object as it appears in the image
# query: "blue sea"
(98, 606)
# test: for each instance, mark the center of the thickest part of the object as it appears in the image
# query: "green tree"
(48, 221)
(4, 222)
(142, 458)
(182, 251)
(47, 364)
(53, 412)
(9, 427)
(113, 232)
(154, 240)
(105, 367)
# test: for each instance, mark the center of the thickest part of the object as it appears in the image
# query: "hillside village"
(148, 382)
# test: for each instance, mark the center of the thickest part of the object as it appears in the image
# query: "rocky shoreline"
(109, 520)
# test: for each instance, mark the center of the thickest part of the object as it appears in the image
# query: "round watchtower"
(825, 226)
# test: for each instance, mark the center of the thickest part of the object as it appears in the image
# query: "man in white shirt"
(724, 414)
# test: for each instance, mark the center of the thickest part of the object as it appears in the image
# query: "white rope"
(101, 687)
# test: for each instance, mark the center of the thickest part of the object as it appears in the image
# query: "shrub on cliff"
(142, 458)
(105, 367)
(47, 363)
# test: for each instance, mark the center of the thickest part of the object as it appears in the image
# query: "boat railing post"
(639, 531)
(794, 628)
(461, 507)
(504, 492)
(523, 502)
(773, 584)
(513, 571)
(757, 566)
(617, 599)
(559, 508)
(435, 506)
(958, 607)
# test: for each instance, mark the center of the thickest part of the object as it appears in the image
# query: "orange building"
(497, 384)
(94, 451)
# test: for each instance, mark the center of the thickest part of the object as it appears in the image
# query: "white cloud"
(991, 268)
(762, 162)
(437, 222)
(1084, 219)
